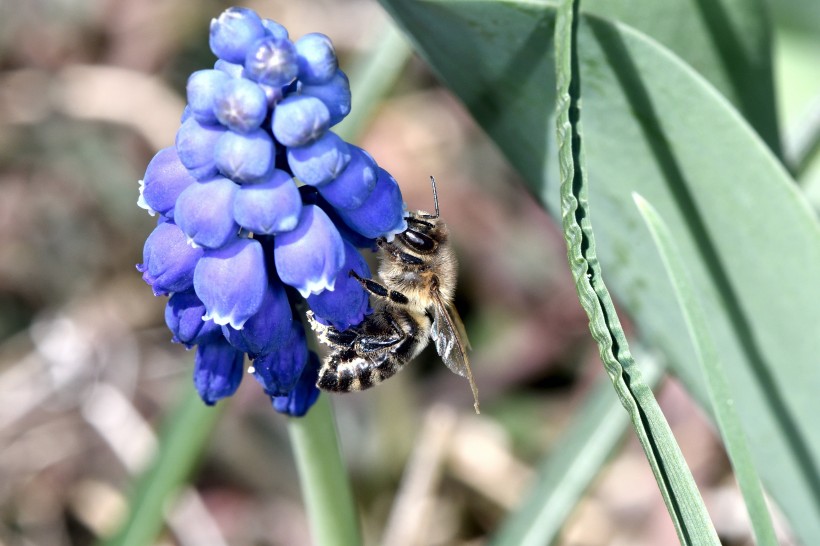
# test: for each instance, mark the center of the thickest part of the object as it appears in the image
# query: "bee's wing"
(460, 329)
(451, 342)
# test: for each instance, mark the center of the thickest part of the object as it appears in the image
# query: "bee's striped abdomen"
(345, 372)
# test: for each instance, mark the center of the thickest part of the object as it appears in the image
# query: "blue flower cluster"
(261, 208)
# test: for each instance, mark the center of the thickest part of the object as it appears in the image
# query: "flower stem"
(323, 476)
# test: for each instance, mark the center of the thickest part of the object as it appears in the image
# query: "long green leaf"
(716, 381)
(181, 443)
(675, 481)
(728, 42)
(579, 456)
(654, 126)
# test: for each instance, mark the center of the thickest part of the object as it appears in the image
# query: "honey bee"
(413, 306)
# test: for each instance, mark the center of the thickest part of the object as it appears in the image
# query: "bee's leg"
(328, 334)
(315, 325)
(380, 291)
(381, 343)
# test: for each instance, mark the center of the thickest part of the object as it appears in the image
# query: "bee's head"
(425, 231)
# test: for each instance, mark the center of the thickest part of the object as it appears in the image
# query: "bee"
(412, 306)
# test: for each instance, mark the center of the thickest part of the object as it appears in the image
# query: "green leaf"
(371, 79)
(654, 126)
(727, 41)
(716, 381)
(579, 456)
(171, 468)
(675, 481)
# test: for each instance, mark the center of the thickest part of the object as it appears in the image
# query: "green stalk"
(325, 487)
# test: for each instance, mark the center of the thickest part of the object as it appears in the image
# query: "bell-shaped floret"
(309, 257)
(382, 214)
(321, 161)
(204, 212)
(272, 61)
(234, 32)
(231, 282)
(335, 93)
(203, 87)
(244, 157)
(164, 180)
(269, 328)
(168, 260)
(218, 370)
(299, 120)
(195, 145)
(279, 370)
(317, 58)
(183, 315)
(268, 207)
(348, 303)
(275, 29)
(304, 395)
(355, 184)
(241, 105)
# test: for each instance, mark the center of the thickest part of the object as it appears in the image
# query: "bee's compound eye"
(419, 241)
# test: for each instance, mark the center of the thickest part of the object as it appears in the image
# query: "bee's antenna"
(435, 195)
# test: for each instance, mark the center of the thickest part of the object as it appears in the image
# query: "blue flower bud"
(272, 61)
(186, 113)
(309, 257)
(231, 282)
(233, 70)
(195, 145)
(241, 105)
(234, 32)
(317, 58)
(183, 315)
(168, 261)
(244, 157)
(275, 29)
(204, 212)
(335, 93)
(269, 328)
(382, 214)
(218, 370)
(268, 207)
(299, 120)
(348, 303)
(355, 184)
(304, 395)
(279, 370)
(203, 86)
(321, 161)
(165, 178)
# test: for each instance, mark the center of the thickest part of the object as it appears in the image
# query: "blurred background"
(89, 91)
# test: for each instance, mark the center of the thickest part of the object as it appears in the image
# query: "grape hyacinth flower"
(261, 210)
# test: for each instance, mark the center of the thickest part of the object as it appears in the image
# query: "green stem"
(325, 487)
